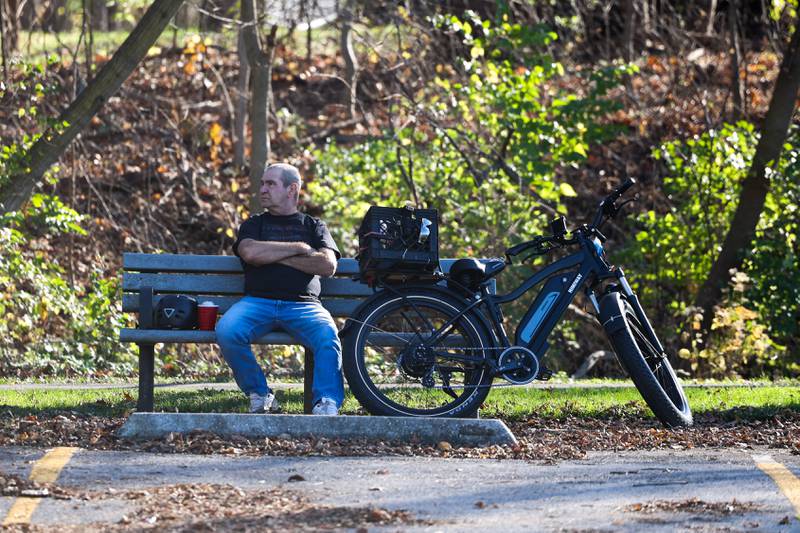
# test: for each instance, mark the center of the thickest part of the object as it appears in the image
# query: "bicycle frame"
(591, 270)
(399, 343)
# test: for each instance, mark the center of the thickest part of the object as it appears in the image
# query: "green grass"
(746, 402)
(35, 46)
(508, 403)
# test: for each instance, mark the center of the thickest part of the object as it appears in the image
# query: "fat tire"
(370, 396)
(634, 362)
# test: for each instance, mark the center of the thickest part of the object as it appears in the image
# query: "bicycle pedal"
(544, 374)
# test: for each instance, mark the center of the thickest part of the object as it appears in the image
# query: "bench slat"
(209, 264)
(340, 307)
(185, 283)
(220, 264)
(225, 284)
(170, 336)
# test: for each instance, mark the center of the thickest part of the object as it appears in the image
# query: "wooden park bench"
(146, 277)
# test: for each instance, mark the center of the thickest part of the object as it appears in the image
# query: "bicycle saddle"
(493, 267)
(469, 272)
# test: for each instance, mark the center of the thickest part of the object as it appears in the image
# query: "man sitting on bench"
(283, 254)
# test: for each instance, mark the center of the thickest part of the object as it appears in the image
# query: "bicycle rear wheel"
(651, 372)
(392, 373)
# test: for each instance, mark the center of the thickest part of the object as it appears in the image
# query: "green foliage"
(782, 8)
(47, 325)
(676, 248)
(484, 143)
(701, 190)
(774, 263)
(738, 343)
(31, 87)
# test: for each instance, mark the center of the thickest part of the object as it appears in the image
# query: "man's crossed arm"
(297, 255)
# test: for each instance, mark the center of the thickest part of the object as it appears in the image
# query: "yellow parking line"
(783, 477)
(45, 470)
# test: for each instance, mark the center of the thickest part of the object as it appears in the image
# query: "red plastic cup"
(207, 315)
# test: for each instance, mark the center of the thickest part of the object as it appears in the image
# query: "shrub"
(675, 249)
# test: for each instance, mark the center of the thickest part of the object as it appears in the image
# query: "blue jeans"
(308, 322)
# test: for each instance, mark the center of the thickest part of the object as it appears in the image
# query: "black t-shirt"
(274, 280)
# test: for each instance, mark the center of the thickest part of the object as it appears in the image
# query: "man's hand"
(259, 253)
(320, 263)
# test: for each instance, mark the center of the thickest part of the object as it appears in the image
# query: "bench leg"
(308, 382)
(146, 366)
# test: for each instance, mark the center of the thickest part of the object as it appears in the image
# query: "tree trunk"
(208, 10)
(86, 27)
(349, 55)
(736, 58)
(99, 15)
(606, 9)
(49, 147)
(646, 25)
(188, 16)
(9, 24)
(711, 12)
(260, 61)
(240, 117)
(630, 24)
(3, 25)
(306, 12)
(58, 18)
(756, 185)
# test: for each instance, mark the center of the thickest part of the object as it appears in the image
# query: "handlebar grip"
(518, 249)
(630, 182)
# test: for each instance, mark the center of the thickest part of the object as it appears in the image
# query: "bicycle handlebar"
(622, 189)
(523, 246)
(605, 209)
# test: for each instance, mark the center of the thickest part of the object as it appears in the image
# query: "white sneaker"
(264, 404)
(325, 407)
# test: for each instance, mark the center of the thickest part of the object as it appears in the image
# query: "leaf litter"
(693, 505)
(224, 507)
(539, 438)
(206, 507)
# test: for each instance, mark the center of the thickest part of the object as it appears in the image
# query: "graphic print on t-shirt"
(286, 233)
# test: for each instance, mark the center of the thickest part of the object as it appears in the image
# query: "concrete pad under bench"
(456, 431)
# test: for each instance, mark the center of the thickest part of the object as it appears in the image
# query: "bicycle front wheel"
(393, 372)
(651, 372)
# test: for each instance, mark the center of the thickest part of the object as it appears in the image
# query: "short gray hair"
(289, 173)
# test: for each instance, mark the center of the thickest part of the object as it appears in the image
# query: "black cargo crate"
(388, 246)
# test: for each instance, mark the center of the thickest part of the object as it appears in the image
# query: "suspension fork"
(633, 300)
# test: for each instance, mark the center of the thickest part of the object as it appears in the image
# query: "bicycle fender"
(612, 313)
